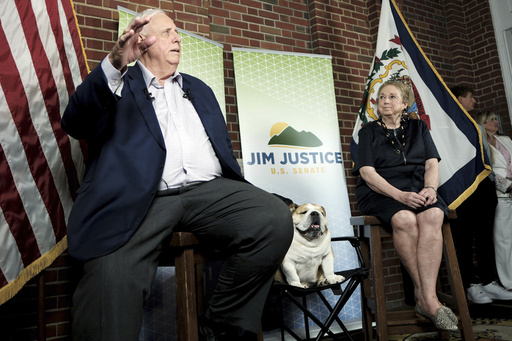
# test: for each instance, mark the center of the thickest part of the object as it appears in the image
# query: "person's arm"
(93, 102)
(429, 190)
(431, 176)
(378, 184)
(503, 184)
(89, 107)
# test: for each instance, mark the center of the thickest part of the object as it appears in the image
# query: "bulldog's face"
(309, 220)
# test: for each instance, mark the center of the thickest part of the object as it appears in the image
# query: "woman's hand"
(411, 199)
(429, 194)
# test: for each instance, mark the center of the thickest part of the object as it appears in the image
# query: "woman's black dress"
(404, 171)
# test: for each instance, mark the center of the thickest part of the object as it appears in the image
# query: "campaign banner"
(291, 144)
(201, 58)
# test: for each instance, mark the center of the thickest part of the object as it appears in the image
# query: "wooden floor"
(495, 310)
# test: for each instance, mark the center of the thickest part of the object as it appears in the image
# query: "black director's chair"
(353, 277)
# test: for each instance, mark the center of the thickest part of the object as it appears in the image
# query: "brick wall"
(19, 316)
(456, 35)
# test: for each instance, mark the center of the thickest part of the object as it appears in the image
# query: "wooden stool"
(405, 321)
(185, 253)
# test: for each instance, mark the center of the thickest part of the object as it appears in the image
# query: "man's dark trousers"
(252, 227)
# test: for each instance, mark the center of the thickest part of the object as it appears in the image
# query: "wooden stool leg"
(366, 290)
(378, 280)
(455, 280)
(186, 296)
(200, 289)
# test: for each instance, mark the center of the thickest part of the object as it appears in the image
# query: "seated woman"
(501, 153)
(399, 173)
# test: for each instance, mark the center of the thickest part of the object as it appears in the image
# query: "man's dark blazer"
(126, 156)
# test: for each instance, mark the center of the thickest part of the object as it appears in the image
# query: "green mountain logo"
(284, 135)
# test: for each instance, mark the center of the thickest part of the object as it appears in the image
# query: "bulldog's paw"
(334, 279)
(296, 284)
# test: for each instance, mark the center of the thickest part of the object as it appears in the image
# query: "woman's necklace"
(398, 144)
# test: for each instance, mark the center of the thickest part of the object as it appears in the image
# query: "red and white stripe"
(41, 63)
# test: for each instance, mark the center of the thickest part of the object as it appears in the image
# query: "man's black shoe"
(205, 333)
(210, 331)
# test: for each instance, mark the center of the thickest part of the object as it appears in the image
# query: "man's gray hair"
(147, 13)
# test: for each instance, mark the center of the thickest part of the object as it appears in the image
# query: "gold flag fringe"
(11, 289)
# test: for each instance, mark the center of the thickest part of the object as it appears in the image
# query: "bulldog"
(309, 261)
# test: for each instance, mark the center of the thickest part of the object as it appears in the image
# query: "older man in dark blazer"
(160, 157)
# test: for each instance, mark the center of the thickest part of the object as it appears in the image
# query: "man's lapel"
(202, 109)
(136, 85)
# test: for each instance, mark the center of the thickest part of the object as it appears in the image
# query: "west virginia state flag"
(457, 137)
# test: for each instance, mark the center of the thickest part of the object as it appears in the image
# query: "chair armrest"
(355, 242)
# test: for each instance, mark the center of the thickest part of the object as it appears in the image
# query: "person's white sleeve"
(114, 76)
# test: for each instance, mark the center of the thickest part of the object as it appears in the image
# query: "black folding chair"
(353, 277)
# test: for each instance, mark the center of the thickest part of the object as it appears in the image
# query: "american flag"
(42, 62)
(398, 56)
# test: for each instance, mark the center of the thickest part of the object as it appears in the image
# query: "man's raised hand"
(131, 44)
